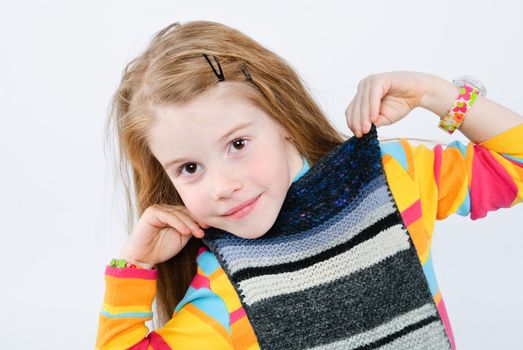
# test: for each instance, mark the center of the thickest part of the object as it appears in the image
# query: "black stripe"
(364, 235)
(391, 337)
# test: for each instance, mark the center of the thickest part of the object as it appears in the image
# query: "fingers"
(348, 115)
(162, 215)
(374, 103)
(351, 114)
(183, 214)
(364, 108)
(355, 111)
(191, 224)
(162, 218)
(356, 117)
(200, 223)
(364, 111)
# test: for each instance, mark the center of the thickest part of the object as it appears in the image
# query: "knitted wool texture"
(338, 269)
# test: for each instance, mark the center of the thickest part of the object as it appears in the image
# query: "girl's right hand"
(385, 98)
(161, 232)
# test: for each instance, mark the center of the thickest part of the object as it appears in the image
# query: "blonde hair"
(172, 69)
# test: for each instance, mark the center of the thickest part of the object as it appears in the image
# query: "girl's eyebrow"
(225, 136)
(233, 130)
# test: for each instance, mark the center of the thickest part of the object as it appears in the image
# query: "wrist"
(139, 263)
(440, 96)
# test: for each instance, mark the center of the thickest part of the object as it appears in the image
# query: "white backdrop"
(60, 62)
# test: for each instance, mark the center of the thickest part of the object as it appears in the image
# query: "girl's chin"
(249, 234)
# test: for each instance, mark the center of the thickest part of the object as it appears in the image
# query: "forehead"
(183, 129)
(224, 103)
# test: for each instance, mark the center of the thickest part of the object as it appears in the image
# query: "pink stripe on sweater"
(491, 186)
(412, 213)
(446, 322)
(200, 281)
(157, 342)
(438, 154)
(125, 272)
(142, 345)
(154, 340)
(236, 314)
(201, 250)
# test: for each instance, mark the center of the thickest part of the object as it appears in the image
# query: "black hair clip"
(220, 76)
(246, 72)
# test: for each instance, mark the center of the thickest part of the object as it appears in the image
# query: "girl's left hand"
(385, 98)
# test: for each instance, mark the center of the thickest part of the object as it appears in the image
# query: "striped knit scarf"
(338, 269)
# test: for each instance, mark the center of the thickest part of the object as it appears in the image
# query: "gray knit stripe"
(388, 243)
(380, 332)
(430, 337)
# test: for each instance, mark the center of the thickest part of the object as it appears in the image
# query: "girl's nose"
(225, 185)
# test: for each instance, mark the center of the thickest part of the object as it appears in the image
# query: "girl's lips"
(244, 211)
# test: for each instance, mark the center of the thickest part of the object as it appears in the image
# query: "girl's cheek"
(257, 164)
(263, 161)
(197, 203)
(191, 200)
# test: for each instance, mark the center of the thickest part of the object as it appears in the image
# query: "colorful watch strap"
(121, 263)
(454, 118)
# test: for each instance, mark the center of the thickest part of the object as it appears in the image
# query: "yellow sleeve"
(127, 305)
(470, 179)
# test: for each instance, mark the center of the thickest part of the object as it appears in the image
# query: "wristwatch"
(471, 80)
(470, 87)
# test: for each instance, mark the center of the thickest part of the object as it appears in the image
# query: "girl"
(217, 129)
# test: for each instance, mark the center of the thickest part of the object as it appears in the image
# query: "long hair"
(172, 69)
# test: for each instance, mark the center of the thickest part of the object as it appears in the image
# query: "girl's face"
(219, 171)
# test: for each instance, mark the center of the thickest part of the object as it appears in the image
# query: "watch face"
(471, 80)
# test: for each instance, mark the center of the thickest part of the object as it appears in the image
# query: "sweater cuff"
(129, 292)
(125, 272)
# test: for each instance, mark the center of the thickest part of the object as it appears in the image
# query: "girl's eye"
(239, 142)
(182, 167)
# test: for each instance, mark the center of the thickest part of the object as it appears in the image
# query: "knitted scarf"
(338, 269)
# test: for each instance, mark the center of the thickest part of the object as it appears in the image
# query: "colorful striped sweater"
(427, 185)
